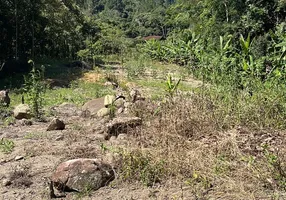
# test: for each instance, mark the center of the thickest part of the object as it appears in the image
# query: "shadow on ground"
(54, 71)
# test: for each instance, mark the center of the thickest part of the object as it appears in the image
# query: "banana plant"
(247, 61)
(282, 45)
(225, 47)
(245, 44)
(171, 85)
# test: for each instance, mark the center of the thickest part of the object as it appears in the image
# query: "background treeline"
(60, 28)
(245, 39)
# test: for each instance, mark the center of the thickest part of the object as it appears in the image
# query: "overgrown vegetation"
(204, 145)
(34, 89)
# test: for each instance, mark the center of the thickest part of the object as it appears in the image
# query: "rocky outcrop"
(81, 174)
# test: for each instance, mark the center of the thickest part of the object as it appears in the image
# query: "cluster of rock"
(78, 174)
(110, 105)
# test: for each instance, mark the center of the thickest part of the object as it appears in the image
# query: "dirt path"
(41, 151)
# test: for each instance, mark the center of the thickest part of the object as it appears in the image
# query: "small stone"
(112, 138)
(108, 100)
(56, 124)
(19, 158)
(61, 137)
(122, 137)
(103, 112)
(6, 182)
(120, 110)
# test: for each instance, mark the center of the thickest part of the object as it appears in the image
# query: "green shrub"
(6, 145)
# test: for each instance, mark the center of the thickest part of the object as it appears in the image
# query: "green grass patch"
(36, 135)
(79, 93)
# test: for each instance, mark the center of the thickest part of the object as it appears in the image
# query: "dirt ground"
(43, 150)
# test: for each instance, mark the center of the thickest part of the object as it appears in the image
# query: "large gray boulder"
(22, 111)
(81, 174)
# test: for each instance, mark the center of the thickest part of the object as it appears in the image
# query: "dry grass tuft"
(21, 177)
(92, 77)
(80, 151)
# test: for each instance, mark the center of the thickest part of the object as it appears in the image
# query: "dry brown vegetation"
(186, 141)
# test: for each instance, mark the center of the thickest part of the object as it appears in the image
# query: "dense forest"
(213, 38)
